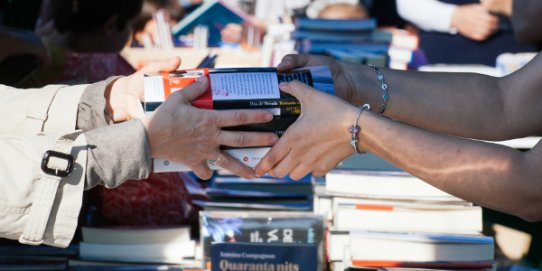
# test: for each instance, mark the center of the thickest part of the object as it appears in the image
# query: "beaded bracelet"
(384, 86)
(355, 129)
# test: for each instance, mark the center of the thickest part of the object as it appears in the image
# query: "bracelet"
(355, 129)
(384, 86)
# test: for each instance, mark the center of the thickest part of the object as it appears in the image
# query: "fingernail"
(283, 84)
(201, 79)
(273, 139)
(268, 117)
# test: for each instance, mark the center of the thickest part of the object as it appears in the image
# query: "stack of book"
(227, 192)
(357, 41)
(382, 217)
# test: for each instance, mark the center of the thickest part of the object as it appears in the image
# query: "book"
(85, 265)
(254, 256)
(351, 25)
(213, 14)
(320, 47)
(383, 184)
(386, 216)
(238, 88)
(174, 253)
(260, 227)
(137, 245)
(127, 235)
(420, 250)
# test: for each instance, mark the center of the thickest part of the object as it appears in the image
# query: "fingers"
(192, 91)
(300, 171)
(202, 171)
(273, 157)
(230, 118)
(284, 167)
(292, 61)
(297, 89)
(171, 64)
(246, 139)
(234, 166)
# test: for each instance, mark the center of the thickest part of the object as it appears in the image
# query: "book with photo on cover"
(260, 227)
(238, 88)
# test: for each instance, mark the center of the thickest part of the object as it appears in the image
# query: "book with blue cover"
(352, 25)
(213, 14)
(255, 256)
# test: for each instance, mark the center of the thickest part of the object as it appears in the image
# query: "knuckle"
(239, 117)
(241, 140)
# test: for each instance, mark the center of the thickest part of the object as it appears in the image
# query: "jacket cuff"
(117, 153)
(91, 108)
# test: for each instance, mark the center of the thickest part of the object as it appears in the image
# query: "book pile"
(380, 217)
(121, 248)
(227, 192)
(356, 40)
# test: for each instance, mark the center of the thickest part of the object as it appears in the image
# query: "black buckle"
(54, 171)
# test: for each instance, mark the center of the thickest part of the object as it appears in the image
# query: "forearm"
(438, 19)
(491, 175)
(461, 104)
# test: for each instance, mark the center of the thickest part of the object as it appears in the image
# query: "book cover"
(173, 253)
(254, 256)
(260, 227)
(319, 47)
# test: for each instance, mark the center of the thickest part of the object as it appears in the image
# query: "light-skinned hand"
(124, 95)
(179, 132)
(317, 141)
(474, 21)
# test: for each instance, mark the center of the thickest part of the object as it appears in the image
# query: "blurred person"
(145, 29)
(524, 15)
(88, 36)
(343, 11)
(460, 31)
(56, 142)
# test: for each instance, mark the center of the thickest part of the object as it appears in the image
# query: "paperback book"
(260, 227)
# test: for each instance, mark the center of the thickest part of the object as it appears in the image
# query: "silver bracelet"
(384, 86)
(355, 129)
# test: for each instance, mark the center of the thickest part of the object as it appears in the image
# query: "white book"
(425, 218)
(383, 185)
(126, 236)
(367, 247)
(173, 253)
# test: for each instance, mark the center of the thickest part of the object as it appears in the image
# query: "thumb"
(194, 90)
(296, 89)
(171, 64)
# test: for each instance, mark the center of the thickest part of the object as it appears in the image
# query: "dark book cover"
(359, 25)
(261, 227)
(266, 257)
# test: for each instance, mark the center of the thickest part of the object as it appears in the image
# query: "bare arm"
(491, 175)
(462, 104)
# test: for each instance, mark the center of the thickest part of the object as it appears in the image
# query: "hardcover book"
(238, 88)
(273, 257)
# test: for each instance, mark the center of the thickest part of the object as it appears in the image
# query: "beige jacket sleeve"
(34, 209)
